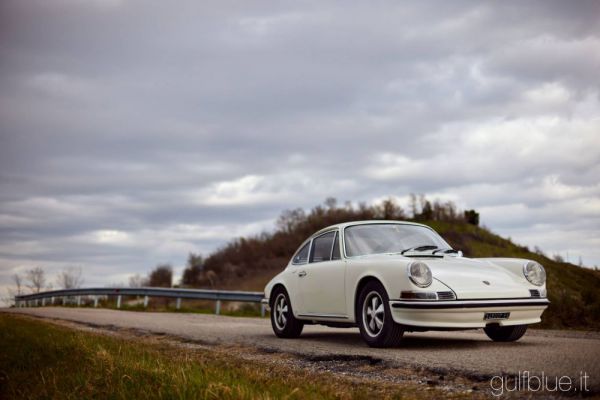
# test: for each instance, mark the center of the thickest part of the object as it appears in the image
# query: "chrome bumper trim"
(470, 303)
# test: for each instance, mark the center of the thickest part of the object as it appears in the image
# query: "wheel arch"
(359, 286)
(275, 287)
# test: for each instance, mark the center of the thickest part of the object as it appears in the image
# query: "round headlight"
(419, 273)
(535, 273)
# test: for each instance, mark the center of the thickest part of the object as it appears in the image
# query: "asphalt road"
(471, 353)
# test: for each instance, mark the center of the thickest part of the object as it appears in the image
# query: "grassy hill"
(249, 263)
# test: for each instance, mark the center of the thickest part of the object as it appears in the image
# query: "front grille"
(534, 293)
(446, 296)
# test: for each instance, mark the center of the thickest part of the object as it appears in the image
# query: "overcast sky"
(135, 132)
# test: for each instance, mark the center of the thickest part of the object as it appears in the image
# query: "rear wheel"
(284, 324)
(374, 317)
(505, 333)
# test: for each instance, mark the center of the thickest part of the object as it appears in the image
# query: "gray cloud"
(133, 133)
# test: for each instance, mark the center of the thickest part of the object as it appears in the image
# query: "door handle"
(301, 274)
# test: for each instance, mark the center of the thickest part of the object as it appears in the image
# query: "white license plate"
(496, 315)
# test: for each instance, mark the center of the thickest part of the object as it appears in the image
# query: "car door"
(298, 263)
(321, 282)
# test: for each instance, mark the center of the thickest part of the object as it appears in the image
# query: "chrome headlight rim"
(422, 279)
(534, 273)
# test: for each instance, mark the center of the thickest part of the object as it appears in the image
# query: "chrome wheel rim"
(280, 312)
(373, 313)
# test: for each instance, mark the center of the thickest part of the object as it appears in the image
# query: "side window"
(301, 256)
(321, 249)
(335, 252)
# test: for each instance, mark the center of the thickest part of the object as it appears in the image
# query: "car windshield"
(389, 238)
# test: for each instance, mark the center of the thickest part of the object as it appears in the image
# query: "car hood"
(477, 279)
(467, 276)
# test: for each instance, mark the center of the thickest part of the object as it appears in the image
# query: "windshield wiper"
(419, 248)
(445, 251)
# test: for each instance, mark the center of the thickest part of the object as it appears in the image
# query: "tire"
(505, 333)
(374, 317)
(283, 322)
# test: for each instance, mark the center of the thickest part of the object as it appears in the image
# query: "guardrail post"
(145, 301)
(52, 300)
(78, 301)
(44, 302)
(178, 304)
(64, 300)
(119, 301)
(36, 302)
(95, 301)
(218, 307)
(263, 310)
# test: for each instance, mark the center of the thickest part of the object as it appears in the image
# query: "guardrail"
(37, 299)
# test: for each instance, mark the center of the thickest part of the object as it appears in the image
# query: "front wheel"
(284, 324)
(374, 317)
(505, 333)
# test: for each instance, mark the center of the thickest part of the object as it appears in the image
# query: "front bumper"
(467, 313)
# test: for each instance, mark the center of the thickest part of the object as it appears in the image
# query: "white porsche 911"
(389, 277)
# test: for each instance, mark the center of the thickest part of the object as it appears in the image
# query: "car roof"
(366, 222)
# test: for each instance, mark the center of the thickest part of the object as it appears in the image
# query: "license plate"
(496, 315)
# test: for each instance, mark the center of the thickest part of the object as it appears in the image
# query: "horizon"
(178, 270)
(135, 133)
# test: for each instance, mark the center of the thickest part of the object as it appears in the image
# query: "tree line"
(35, 280)
(266, 251)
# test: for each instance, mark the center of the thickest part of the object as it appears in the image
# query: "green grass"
(39, 360)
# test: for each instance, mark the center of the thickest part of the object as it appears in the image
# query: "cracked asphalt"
(467, 353)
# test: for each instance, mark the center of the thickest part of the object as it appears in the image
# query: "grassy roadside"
(42, 360)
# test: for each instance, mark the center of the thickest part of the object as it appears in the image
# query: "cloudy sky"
(134, 132)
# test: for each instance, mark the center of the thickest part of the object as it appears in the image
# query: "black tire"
(283, 322)
(385, 334)
(505, 333)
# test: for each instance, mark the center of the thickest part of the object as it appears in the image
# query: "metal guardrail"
(37, 299)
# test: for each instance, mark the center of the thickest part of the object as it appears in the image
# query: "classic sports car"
(389, 277)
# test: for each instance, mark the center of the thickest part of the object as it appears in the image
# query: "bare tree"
(9, 299)
(192, 274)
(137, 281)
(18, 284)
(212, 277)
(36, 279)
(161, 276)
(70, 278)
(413, 205)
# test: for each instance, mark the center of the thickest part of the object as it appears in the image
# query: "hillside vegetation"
(249, 263)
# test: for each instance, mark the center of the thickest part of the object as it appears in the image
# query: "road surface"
(468, 353)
